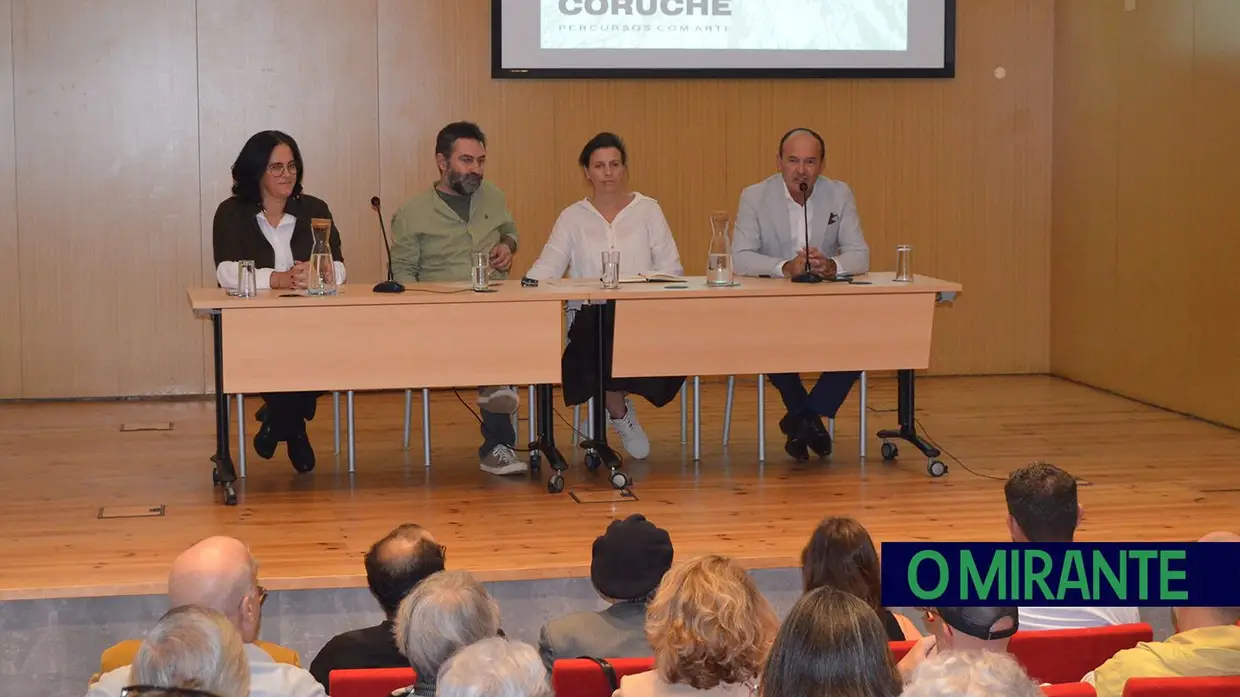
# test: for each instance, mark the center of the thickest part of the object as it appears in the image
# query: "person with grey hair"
(442, 615)
(193, 647)
(494, 667)
(971, 674)
(220, 573)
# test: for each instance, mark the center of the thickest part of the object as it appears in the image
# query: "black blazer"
(236, 234)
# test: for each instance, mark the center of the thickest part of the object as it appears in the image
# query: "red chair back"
(581, 677)
(1070, 689)
(369, 682)
(1066, 655)
(1059, 656)
(1182, 687)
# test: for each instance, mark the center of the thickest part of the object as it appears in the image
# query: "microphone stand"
(806, 276)
(390, 285)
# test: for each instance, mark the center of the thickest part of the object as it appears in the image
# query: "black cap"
(630, 558)
(978, 622)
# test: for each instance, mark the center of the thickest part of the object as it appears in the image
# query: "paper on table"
(652, 278)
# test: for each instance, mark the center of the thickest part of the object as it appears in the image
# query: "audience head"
(605, 162)
(708, 624)
(1042, 506)
(400, 561)
(840, 554)
(494, 667)
(193, 647)
(219, 573)
(801, 155)
(269, 167)
(461, 154)
(831, 643)
(441, 615)
(629, 559)
(1188, 618)
(969, 628)
(971, 674)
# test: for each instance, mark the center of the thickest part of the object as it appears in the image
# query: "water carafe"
(322, 267)
(719, 270)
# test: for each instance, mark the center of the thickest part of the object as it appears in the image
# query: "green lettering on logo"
(1119, 584)
(915, 563)
(1143, 556)
(1072, 576)
(970, 577)
(1166, 575)
(1037, 576)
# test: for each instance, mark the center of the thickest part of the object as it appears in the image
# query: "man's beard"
(464, 184)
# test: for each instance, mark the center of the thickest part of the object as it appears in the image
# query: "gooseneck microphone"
(807, 276)
(390, 285)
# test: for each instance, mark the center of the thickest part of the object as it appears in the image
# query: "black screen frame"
(947, 71)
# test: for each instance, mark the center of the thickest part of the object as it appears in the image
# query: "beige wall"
(125, 115)
(1146, 224)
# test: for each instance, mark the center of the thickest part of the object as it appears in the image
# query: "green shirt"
(431, 242)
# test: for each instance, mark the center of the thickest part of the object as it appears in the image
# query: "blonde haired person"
(710, 629)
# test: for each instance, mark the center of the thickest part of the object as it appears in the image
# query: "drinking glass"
(611, 269)
(480, 271)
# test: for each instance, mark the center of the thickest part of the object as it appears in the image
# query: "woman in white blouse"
(610, 218)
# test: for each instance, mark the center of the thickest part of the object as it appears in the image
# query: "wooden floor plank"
(1149, 475)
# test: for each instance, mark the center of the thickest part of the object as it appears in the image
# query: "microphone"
(390, 285)
(807, 276)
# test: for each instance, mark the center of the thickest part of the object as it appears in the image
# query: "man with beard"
(433, 238)
(770, 241)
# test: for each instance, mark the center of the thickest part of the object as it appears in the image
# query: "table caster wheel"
(620, 480)
(890, 451)
(230, 495)
(535, 461)
(555, 484)
(593, 461)
(936, 468)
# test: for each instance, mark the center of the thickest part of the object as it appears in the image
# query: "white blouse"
(581, 234)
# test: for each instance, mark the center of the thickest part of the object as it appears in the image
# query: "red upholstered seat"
(580, 677)
(1182, 687)
(1070, 689)
(1059, 656)
(369, 682)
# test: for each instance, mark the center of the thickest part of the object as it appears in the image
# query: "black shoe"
(300, 453)
(796, 449)
(265, 441)
(793, 427)
(815, 435)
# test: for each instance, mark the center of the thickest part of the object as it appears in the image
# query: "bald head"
(399, 562)
(1221, 536)
(217, 573)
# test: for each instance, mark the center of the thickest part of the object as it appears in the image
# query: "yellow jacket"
(122, 654)
(1205, 652)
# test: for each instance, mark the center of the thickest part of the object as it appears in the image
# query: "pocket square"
(833, 219)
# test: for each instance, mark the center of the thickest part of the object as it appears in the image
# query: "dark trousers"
(825, 399)
(496, 430)
(288, 412)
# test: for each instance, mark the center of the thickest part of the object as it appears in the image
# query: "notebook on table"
(652, 278)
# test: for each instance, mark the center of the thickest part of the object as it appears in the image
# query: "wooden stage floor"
(1149, 475)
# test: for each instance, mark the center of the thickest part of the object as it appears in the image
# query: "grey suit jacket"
(762, 239)
(617, 632)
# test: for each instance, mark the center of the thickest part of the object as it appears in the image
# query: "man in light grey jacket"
(769, 240)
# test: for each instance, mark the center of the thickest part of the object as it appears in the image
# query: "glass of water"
(904, 263)
(611, 269)
(480, 271)
(247, 279)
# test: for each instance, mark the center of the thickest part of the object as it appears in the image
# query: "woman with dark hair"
(840, 554)
(610, 218)
(832, 643)
(267, 221)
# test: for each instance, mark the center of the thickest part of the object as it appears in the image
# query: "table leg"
(907, 408)
(598, 452)
(544, 444)
(225, 474)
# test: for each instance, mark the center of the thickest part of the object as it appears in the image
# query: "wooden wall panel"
(10, 284)
(1085, 190)
(1145, 227)
(434, 68)
(107, 181)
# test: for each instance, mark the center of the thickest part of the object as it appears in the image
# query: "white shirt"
(796, 219)
(280, 238)
(581, 234)
(1039, 618)
(267, 679)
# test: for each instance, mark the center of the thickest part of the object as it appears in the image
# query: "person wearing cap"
(628, 562)
(962, 629)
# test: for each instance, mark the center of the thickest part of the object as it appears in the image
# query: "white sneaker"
(503, 461)
(499, 400)
(632, 437)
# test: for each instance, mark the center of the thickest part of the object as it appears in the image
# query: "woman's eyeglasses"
(155, 691)
(278, 169)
